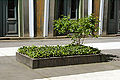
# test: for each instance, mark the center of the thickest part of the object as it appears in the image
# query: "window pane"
(11, 9)
(61, 8)
(73, 8)
(68, 7)
(112, 4)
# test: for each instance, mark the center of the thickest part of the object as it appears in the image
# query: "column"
(105, 21)
(89, 7)
(101, 16)
(46, 17)
(51, 18)
(85, 8)
(31, 18)
(81, 8)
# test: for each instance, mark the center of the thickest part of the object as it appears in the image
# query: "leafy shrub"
(62, 25)
(79, 28)
(57, 51)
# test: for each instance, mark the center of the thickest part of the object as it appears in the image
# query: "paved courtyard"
(10, 69)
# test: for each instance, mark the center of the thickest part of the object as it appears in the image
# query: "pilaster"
(51, 18)
(105, 19)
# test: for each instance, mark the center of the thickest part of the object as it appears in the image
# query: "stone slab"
(59, 61)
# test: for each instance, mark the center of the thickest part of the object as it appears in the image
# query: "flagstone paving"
(10, 69)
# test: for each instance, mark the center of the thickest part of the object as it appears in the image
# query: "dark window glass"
(68, 7)
(11, 9)
(112, 4)
(61, 8)
(73, 8)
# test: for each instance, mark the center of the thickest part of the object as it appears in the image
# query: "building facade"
(34, 18)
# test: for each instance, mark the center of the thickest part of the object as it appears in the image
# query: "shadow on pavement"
(10, 69)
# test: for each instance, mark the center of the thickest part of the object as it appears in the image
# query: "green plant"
(57, 51)
(62, 25)
(79, 28)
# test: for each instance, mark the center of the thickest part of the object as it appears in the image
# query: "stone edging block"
(59, 61)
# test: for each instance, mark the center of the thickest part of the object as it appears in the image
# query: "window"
(112, 9)
(68, 7)
(11, 9)
(73, 8)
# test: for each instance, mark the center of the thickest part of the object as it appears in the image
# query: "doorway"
(8, 18)
(114, 17)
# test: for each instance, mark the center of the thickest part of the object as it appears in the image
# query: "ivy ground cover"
(57, 51)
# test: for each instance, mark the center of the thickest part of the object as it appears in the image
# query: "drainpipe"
(46, 17)
(31, 18)
(101, 16)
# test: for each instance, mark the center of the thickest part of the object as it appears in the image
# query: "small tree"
(79, 28)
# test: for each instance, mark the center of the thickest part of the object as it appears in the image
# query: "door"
(112, 22)
(118, 12)
(9, 18)
(1, 18)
